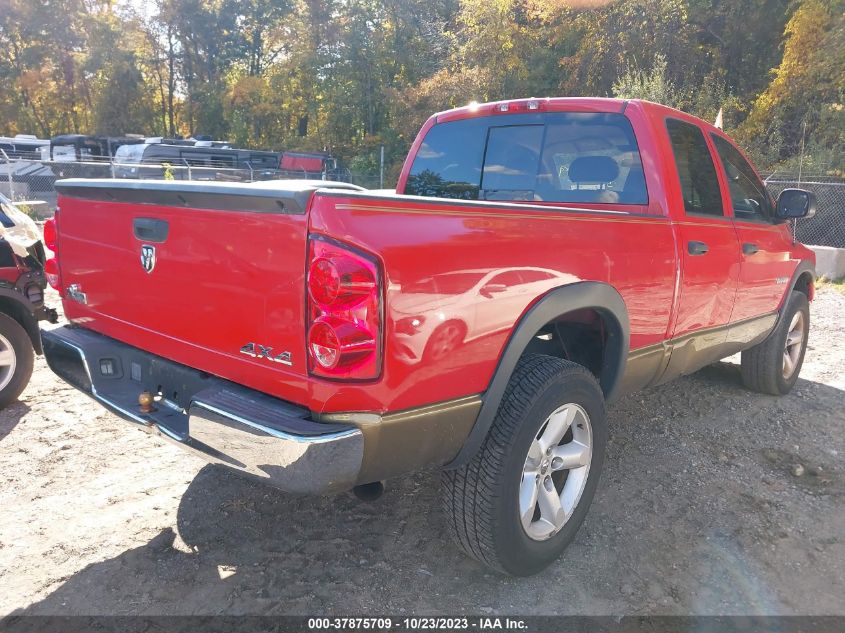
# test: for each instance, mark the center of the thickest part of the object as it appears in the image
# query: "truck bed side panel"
(459, 275)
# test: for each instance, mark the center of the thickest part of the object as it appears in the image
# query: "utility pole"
(381, 169)
(801, 160)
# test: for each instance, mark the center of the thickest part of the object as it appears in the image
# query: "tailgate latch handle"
(150, 229)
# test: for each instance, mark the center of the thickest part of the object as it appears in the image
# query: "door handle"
(749, 249)
(150, 229)
(697, 248)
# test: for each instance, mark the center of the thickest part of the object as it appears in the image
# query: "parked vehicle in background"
(22, 284)
(578, 249)
(21, 175)
(308, 165)
(95, 154)
(25, 146)
(193, 160)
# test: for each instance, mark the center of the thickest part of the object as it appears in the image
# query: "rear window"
(554, 157)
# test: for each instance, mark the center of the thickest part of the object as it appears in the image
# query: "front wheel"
(16, 359)
(773, 366)
(520, 501)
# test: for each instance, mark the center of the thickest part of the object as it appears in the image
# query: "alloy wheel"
(8, 362)
(794, 345)
(555, 471)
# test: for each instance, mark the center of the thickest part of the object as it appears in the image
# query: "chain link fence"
(827, 227)
(33, 181)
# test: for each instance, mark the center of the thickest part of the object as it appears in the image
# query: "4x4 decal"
(262, 351)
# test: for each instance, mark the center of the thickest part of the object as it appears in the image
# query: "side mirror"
(490, 289)
(795, 203)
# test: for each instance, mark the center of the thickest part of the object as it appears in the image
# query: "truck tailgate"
(193, 272)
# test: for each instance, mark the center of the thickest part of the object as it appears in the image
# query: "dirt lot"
(713, 501)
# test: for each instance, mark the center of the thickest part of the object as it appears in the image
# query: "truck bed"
(230, 272)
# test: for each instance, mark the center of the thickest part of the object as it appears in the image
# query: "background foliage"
(352, 75)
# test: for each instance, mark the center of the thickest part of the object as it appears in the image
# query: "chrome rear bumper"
(220, 421)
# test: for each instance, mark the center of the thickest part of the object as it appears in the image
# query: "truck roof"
(554, 104)
(533, 104)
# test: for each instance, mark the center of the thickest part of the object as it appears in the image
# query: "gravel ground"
(713, 501)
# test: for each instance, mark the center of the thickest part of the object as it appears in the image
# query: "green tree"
(651, 85)
(805, 101)
(122, 105)
(355, 75)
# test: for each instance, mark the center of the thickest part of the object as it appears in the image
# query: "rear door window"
(553, 157)
(699, 184)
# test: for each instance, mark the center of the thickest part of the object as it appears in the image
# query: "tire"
(17, 361)
(765, 367)
(482, 500)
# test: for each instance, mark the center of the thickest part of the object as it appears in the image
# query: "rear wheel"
(773, 366)
(520, 501)
(16, 359)
(444, 340)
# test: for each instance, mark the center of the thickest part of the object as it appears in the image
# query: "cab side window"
(749, 198)
(699, 184)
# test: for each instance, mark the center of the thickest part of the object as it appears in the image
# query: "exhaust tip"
(369, 492)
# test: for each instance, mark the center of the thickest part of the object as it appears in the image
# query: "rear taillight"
(50, 234)
(51, 241)
(51, 271)
(344, 312)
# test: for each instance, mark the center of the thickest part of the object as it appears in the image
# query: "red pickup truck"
(539, 258)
